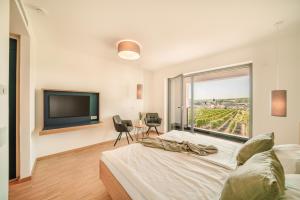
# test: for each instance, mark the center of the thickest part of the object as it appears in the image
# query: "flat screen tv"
(65, 109)
(69, 106)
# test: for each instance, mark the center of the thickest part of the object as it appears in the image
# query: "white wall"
(4, 47)
(262, 54)
(69, 62)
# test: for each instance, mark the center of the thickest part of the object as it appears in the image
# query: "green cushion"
(257, 144)
(260, 178)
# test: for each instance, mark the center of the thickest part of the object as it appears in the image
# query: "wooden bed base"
(114, 188)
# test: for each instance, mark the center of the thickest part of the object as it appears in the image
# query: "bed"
(138, 172)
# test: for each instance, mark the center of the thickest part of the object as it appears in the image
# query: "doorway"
(14, 77)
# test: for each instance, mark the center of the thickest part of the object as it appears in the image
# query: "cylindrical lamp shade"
(279, 103)
(139, 91)
(128, 49)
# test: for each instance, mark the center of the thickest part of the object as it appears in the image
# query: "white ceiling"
(170, 31)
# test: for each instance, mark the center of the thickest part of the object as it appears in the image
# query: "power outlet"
(3, 90)
(94, 117)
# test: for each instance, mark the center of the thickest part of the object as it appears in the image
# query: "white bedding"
(289, 156)
(292, 184)
(148, 173)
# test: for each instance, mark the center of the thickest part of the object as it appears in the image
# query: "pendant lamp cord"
(277, 24)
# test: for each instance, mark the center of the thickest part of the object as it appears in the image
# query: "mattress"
(148, 173)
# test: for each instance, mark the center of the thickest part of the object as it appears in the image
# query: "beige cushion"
(260, 178)
(256, 144)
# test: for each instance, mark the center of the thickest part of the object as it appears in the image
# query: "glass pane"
(187, 103)
(221, 101)
(175, 103)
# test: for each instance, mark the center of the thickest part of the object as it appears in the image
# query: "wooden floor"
(73, 175)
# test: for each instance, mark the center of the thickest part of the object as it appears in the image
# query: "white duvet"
(148, 173)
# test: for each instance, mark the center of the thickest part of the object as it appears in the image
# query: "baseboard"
(22, 180)
(28, 178)
(25, 179)
(13, 180)
(72, 150)
(82, 148)
(33, 168)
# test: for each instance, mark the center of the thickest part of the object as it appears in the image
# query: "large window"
(217, 101)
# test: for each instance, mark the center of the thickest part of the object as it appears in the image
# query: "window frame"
(218, 134)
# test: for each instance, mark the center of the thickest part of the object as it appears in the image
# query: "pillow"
(256, 144)
(260, 178)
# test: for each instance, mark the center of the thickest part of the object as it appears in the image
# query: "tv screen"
(68, 106)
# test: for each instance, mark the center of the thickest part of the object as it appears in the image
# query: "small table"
(139, 128)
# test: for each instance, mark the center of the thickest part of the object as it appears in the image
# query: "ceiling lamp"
(128, 49)
(279, 103)
(278, 97)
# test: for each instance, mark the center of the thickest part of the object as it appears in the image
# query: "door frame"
(18, 38)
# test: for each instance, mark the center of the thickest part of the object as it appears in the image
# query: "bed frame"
(112, 185)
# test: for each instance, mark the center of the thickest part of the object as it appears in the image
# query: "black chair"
(152, 120)
(122, 126)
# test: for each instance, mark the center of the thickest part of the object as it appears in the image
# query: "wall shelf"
(67, 129)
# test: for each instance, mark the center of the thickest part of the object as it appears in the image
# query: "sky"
(237, 87)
